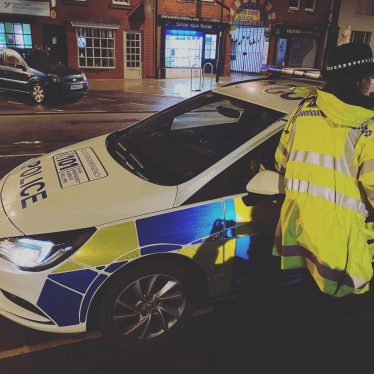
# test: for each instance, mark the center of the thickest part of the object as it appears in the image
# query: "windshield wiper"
(131, 155)
(127, 163)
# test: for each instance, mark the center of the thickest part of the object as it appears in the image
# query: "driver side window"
(12, 59)
(234, 179)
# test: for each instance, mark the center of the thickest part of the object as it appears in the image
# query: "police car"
(135, 229)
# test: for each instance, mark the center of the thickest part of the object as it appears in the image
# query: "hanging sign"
(53, 14)
(81, 42)
(232, 30)
(31, 8)
(247, 15)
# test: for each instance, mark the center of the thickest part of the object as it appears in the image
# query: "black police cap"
(348, 60)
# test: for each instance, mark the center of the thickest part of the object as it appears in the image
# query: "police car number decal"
(77, 167)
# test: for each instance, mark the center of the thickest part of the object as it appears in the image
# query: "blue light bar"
(307, 73)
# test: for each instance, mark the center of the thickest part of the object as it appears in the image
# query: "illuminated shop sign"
(247, 15)
(191, 25)
(31, 8)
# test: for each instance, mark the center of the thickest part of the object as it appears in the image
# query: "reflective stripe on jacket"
(327, 154)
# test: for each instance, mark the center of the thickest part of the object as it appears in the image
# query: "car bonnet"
(76, 187)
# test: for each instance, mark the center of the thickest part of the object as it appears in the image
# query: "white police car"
(133, 230)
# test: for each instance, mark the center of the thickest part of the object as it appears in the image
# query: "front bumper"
(19, 295)
(65, 89)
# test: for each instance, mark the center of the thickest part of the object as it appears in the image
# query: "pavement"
(116, 96)
(180, 87)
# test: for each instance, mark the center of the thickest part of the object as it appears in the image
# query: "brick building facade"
(116, 39)
(254, 33)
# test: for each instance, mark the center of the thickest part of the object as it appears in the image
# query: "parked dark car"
(40, 74)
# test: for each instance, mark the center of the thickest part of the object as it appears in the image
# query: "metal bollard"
(192, 68)
(211, 82)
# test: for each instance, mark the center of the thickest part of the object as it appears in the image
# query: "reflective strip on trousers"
(326, 272)
(327, 194)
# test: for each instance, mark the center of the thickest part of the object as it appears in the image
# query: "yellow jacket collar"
(340, 113)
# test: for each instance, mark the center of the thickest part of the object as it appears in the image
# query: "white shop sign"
(31, 8)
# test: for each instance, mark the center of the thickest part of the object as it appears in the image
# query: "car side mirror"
(22, 67)
(267, 183)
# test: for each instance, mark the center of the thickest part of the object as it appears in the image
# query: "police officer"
(326, 153)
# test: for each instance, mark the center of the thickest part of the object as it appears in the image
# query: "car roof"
(272, 93)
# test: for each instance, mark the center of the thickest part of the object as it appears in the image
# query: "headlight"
(40, 252)
(54, 78)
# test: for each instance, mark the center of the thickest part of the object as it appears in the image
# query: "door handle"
(212, 238)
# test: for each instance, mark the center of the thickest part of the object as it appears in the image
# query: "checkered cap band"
(350, 64)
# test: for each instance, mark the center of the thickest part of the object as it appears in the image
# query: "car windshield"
(39, 58)
(181, 142)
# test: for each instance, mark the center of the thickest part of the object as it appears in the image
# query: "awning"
(98, 23)
(193, 19)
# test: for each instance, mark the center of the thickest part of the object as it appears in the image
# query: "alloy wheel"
(149, 307)
(38, 93)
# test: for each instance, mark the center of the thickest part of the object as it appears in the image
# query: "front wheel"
(146, 306)
(38, 93)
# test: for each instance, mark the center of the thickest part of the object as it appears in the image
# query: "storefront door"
(247, 49)
(210, 53)
(133, 54)
(302, 52)
(54, 37)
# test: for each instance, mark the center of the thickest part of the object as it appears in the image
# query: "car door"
(16, 76)
(250, 223)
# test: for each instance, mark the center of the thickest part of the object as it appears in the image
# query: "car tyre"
(146, 306)
(38, 93)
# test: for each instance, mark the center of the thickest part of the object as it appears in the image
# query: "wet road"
(28, 136)
(265, 332)
(94, 101)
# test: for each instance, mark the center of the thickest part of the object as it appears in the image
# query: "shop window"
(360, 37)
(365, 8)
(97, 49)
(183, 48)
(15, 35)
(310, 5)
(210, 46)
(294, 5)
(121, 2)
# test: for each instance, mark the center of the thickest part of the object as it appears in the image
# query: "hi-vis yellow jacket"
(327, 154)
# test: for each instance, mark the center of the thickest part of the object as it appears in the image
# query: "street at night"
(186, 186)
(250, 332)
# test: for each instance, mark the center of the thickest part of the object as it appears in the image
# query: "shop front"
(249, 39)
(187, 44)
(298, 46)
(16, 20)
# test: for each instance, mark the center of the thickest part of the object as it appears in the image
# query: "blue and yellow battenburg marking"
(69, 289)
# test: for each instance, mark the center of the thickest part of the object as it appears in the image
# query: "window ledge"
(97, 67)
(72, 2)
(119, 6)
